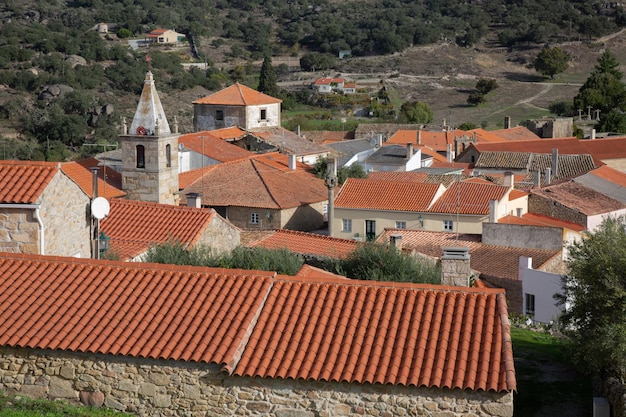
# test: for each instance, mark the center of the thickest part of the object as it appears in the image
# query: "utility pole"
(331, 182)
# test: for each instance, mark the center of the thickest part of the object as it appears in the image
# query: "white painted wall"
(543, 285)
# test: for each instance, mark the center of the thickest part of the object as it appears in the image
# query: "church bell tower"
(150, 151)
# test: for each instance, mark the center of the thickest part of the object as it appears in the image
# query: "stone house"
(43, 210)
(188, 341)
(268, 191)
(132, 227)
(236, 105)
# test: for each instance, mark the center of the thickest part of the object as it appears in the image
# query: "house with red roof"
(330, 84)
(44, 210)
(203, 149)
(132, 227)
(268, 191)
(310, 245)
(164, 36)
(236, 105)
(143, 338)
(364, 207)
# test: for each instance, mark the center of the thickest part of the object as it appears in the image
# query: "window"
(263, 114)
(529, 302)
(168, 155)
(255, 218)
(400, 225)
(219, 115)
(346, 225)
(448, 225)
(141, 156)
(370, 229)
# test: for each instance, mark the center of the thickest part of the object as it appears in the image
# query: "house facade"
(43, 211)
(165, 36)
(250, 342)
(237, 105)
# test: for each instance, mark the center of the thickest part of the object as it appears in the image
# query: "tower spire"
(149, 110)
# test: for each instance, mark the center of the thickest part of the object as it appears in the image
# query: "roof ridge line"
(260, 174)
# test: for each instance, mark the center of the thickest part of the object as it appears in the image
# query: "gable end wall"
(181, 389)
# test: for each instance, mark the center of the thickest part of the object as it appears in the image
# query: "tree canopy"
(267, 78)
(416, 112)
(594, 292)
(552, 61)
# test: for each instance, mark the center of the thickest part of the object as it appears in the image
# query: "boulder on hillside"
(75, 60)
(51, 92)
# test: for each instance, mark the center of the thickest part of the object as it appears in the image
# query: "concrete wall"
(173, 388)
(521, 236)
(543, 285)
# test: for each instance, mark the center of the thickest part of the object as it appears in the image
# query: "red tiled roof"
(306, 243)
(238, 95)
(606, 148)
(255, 323)
(468, 198)
(312, 273)
(579, 197)
(185, 179)
(205, 143)
(24, 181)
(533, 219)
(134, 226)
(80, 173)
(402, 176)
(327, 81)
(490, 260)
(232, 132)
(363, 193)
(607, 173)
(263, 181)
(436, 140)
(503, 135)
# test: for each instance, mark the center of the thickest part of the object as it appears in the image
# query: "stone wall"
(171, 388)
(221, 236)
(19, 231)
(65, 215)
(541, 205)
(514, 292)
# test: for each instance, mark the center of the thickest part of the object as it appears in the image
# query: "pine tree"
(267, 78)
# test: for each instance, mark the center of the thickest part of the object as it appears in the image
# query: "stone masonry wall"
(19, 231)
(170, 388)
(64, 212)
(540, 205)
(221, 236)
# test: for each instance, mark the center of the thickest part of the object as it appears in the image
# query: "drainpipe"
(37, 217)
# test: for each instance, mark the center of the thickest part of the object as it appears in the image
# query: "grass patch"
(546, 378)
(21, 406)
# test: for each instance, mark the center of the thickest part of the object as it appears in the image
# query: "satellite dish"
(100, 208)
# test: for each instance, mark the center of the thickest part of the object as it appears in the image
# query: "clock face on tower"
(141, 130)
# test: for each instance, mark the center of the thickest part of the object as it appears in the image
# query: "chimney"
(593, 133)
(507, 122)
(455, 266)
(508, 179)
(379, 140)
(292, 162)
(449, 153)
(396, 241)
(537, 181)
(419, 137)
(194, 200)
(555, 161)
(409, 150)
(493, 211)
(548, 175)
(95, 170)
(298, 130)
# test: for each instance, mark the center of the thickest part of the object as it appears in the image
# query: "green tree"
(594, 290)
(353, 171)
(486, 85)
(267, 78)
(603, 90)
(551, 61)
(416, 112)
(475, 99)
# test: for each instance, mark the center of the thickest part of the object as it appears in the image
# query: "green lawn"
(546, 379)
(21, 406)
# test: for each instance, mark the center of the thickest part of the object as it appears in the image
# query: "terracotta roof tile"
(25, 181)
(232, 132)
(490, 260)
(80, 173)
(306, 243)
(579, 197)
(435, 140)
(386, 195)
(185, 179)
(212, 146)
(255, 323)
(468, 198)
(305, 333)
(134, 226)
(533, 219)
(238, 95)
(263, 181)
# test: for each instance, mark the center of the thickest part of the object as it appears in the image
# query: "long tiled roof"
(255, 323)
(80, 173)
(468, 198)
(263, 181)
(205, 143)
(363, 193)
(579, 197)
(607, 181)
(436, 140)
(491, 260)
(288, 141)
(306, 243)
(134, 226)
(238, 95)
(532, 219)
(23, 182)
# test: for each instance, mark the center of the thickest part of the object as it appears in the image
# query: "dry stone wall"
(180, 389)
(19, 231)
